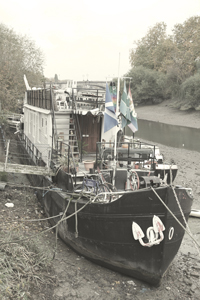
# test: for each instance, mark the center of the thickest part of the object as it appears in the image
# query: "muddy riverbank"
(165, 113)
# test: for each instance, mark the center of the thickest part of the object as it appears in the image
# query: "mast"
(117, 114)
(117, 111)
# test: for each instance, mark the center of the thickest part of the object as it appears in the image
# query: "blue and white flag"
(133, 125)
(124, 108)
(110, 119)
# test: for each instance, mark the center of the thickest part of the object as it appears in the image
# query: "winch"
(147, 181)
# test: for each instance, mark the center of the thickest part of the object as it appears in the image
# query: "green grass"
(24, 266)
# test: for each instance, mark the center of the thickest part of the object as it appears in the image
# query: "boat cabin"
(73, 117)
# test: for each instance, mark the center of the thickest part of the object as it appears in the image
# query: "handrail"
(93, 98)
(133, 152)
(77, 124)
(69, 155)
(78, 130)
(32, 150)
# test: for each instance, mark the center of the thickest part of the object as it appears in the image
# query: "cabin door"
(91, 132)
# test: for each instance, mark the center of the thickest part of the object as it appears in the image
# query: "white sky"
(83, 39)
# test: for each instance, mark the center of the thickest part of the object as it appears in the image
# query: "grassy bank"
(25, 263)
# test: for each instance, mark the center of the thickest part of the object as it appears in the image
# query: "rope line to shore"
(46, 230)
(66, 209)
(186, 224)
(28, 186)
(185, 229)
(49, 189)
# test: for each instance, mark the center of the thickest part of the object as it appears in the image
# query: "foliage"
(190, 92)
(146, 48)
(180, 51)
(147, 85)
(176, 55)
(19, 56)
(82, 145)
(187, 39)
(3, 121)
(66, 163)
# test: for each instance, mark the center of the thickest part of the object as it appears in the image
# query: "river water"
(169, 135)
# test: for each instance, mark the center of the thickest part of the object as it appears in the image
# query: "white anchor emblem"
(154, 233)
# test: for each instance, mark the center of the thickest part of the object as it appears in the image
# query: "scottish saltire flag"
(124, 108)
(133, 125)
(113, 93)
(110, 119)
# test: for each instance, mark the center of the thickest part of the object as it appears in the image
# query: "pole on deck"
(117, 113)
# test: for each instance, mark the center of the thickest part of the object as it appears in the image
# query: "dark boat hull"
(103, 232)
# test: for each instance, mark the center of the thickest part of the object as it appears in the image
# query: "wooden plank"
(26, 169)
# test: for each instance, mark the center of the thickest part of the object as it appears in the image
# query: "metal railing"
(33, 152)
(40, 98)
(126, 152)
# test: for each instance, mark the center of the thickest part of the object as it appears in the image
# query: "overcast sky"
(83, 39)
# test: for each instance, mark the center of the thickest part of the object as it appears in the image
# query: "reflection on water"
(170, 135)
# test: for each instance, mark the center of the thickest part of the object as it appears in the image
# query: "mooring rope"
(176, 218)
(46, 230)
(175, 195)
(66, 209)
(187, 226)
(31, 220)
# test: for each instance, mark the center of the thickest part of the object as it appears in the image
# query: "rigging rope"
(188, 232)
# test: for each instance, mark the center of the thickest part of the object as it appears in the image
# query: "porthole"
(171, 233)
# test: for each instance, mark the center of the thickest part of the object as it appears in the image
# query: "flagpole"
(117, 107)
(117, 113)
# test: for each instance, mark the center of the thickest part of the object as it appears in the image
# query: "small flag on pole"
(124, 108)
(133, 125)
(110, 119)
(113, 93)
